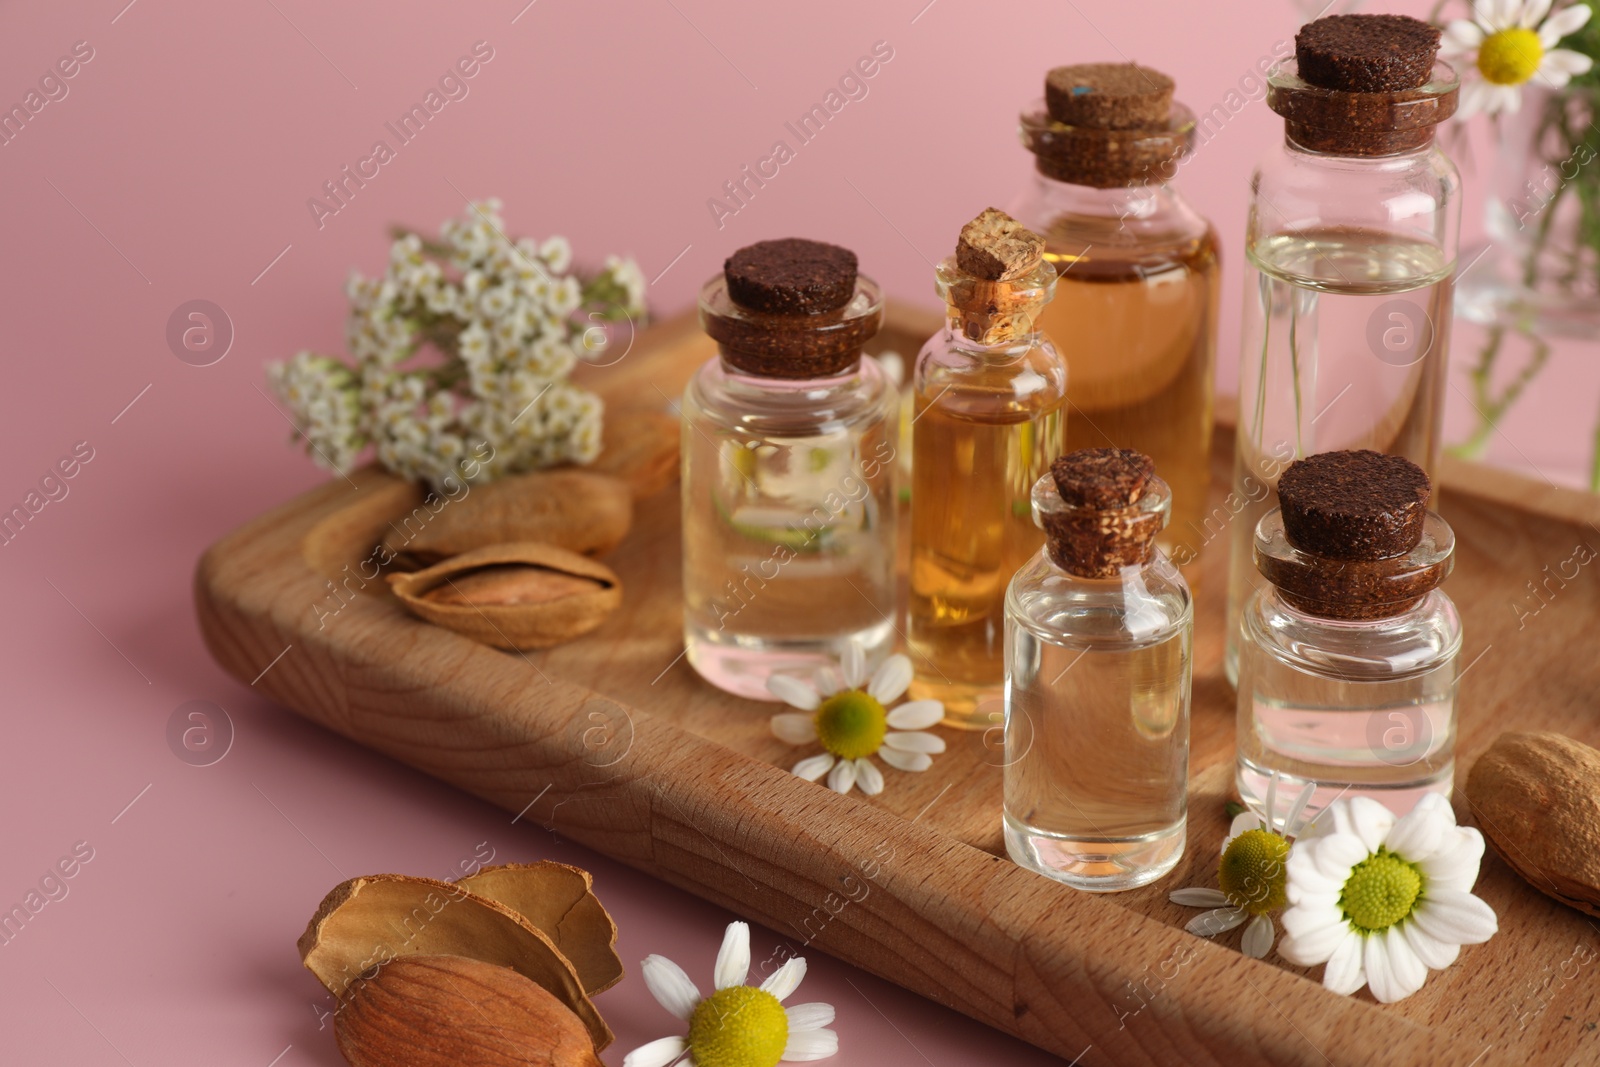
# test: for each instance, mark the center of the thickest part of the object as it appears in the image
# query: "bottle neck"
(1122, 201)
(1383, 145)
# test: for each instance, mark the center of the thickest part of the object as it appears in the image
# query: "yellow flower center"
(1252, 873)
(851, 724)
(1380, 892)
(1510, 57)
(738, 1027)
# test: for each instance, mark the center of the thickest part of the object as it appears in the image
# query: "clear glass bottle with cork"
(789, 456)
(990, 397)
(1351, 246)
(1135, 313)
(1099, 637)
(1347, 661)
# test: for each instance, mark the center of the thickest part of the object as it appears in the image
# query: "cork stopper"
(1361, 505)
(996, 247)
(791, 276)
(1101, 509)
(1366, 53)
(1108, 96)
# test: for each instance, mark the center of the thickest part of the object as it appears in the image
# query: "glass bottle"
(1099, 631)
(1351, 249)
(1347, 663)
(990, 396)
(1135, 312)
(789, 508)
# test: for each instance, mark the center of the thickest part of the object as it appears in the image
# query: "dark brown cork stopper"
(1366, 53)
(1103, 529)
(1358, 506)
(791, 276)
(996, 247)
(1108, 96)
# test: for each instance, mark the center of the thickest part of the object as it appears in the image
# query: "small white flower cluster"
(505, 315)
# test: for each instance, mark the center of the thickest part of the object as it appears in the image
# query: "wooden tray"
(614, 741)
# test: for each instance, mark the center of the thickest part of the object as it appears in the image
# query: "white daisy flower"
(852, 723)
(1252, 873)
(1509, 43)
(1382, 900)
(737, 1025)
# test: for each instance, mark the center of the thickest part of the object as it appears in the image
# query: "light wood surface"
(615, 742)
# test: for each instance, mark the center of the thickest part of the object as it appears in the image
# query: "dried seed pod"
(447, 1011)
(642, 449)
(513, 596)
(559, 900)
(1536, 797)
(578, 510)
(366, 922)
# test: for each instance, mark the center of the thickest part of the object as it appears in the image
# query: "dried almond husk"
(450, 1011)
(1536, 797)
(514, 596)
(559, 900)
(641, 448)
(579, 510)
(369, 921)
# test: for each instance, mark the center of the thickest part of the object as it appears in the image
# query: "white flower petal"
(1242, 823)
(793, 692)
(1455, 865)
(1430, 950)
(812, 1016)
(916, 715)
(658, 1053)
(1380, 976)
(905, 761)
(868, 778)
(1257, 940)
(854, 665)
(914, 741)
(1565, 61)
(1310, 935)
(1461, 35)
(733, 959)
(1198, 897)
(1533, 12)
(1344, 973)
(813, 767)
(1456, 917)
(794, 728)
(1506, 99)
(1473, 96)
(1365, 818)
(786, 979)
(889, 681)
(1337, 855)
(843, 776)
(671, 987)
(1292, 818)
(1212, 923)
(828, 681)
(1562, 23)
(1418, 834)
(806, 1045)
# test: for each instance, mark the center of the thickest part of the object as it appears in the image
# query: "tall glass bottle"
(1351, 247)
(1098, 657)
(1347, 658)
(789, 456)
(1135, 312)
(990, 394)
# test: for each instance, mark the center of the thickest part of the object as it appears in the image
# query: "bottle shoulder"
(1030, 379)
(1144, 605)
(856, 401)
(1416, 641)
(1098, 229)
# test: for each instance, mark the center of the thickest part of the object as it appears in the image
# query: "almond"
(511, 583)
(578, 510)
(560, 901)
(448, 1011)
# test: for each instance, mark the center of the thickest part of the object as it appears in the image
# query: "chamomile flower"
(1381, 900)
(737, 1025)
(852, 720)
(1252, 873)
(1510, 43)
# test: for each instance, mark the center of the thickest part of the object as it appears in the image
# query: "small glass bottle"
(1099, 632)
(990, 395)
(1347, 664)
(789, 462)
(1135, 313)
(1351, 247)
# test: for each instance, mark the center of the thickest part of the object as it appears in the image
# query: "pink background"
(178, 167)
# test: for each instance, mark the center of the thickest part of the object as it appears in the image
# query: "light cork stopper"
(996, 247)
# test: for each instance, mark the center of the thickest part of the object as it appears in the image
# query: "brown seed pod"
(578, 510)
(642, 449)
(365, 923)
(448, 1011)
(1536, 797)
(513, 596)
(559, 900)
